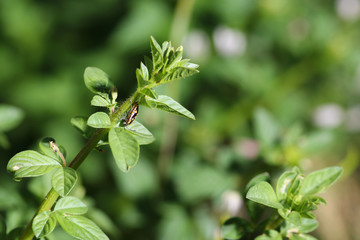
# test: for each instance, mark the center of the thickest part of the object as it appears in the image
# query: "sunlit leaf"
(63, 180)
(262, 177)
(306, 225)
(141, 133)
(174, 58)
(178, 73)
(99, 120)
(256, 210)
(168, 104)
(81, 227)
(70, 206)
(263, 193)
(144, 72)
(140, 79)
(156, 53)
(319, 181)
(124, 147)
(283, 184)
(43, 224)
(31, 164)
(100, 101)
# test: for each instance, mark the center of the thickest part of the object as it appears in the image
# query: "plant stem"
(47, 203)
(52, 196)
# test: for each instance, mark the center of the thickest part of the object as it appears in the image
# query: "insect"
(131, 115)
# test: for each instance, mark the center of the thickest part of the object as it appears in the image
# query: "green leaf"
(148, 64)
(156, 53)
(99, 120)
(149, 92)
(319, 181)
(308, 225)
(271, 235)
(70, 206)
(144, 72)
(10, 117)
(235, 228)
(305, 225)
(262, 177)
(63, 180)
(97, 81)
(80, 123)
(124, 147)
(294, 217)
(264, 194)
(175, 58)
(44, 146)
(168, 104)
(31, 164)
(100, 101)
(43, 224)
(266, 127)
(140, 79)
(141, 133)
(81, 227)
(255, 210)
(284, 183)
(178, 73)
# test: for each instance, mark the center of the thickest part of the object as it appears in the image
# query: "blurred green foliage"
(294, 62)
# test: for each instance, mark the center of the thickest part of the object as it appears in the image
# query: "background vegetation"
(291, 64)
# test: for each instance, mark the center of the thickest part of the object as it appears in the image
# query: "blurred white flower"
(328, 116)
(231, 202)
(229, 42)
(348, 9)
(197, 45)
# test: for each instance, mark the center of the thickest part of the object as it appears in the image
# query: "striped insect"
(132, 113)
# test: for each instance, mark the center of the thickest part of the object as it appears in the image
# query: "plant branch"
(52, 196)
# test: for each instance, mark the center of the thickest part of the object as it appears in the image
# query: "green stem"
(52, 196)
(47, 203)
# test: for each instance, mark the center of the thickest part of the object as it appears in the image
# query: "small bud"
(114, 94)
